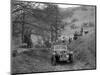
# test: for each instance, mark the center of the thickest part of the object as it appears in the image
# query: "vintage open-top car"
(61, 53)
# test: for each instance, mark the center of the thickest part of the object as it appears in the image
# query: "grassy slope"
(84, 47)
(84, 50)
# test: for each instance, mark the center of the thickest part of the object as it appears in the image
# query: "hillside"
(84, 49)
(78, 17)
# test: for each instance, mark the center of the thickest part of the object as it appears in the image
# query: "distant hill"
(77, 17)
(82, 13)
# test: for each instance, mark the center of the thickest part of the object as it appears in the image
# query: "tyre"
(53, 60)
(70, 58)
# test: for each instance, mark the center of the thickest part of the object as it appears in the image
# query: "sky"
(67, 6)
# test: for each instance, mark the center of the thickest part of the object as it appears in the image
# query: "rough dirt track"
(35, 61)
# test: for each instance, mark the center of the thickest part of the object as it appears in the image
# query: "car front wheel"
(70, 58)
(53, 60)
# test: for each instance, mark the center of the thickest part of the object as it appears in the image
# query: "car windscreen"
(60, 47)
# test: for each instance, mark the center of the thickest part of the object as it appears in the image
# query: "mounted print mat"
(51, 37)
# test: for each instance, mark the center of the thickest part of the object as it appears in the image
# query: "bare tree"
(47, 19)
